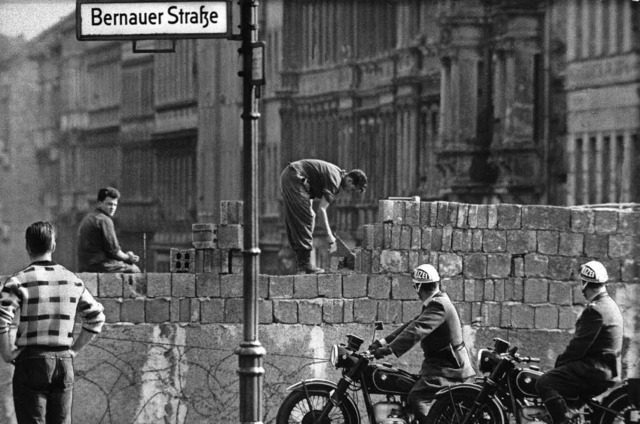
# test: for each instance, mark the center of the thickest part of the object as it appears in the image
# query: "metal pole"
(250, 351)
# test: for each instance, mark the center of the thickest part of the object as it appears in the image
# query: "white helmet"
(425, 273)
(593, 272)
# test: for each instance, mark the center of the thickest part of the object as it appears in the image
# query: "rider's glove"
(375, 345)
(382, 352)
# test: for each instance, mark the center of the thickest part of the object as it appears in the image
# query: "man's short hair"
(359, 178)
(39, 237)
(103, 193)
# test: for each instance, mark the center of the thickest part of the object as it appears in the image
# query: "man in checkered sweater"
(45, 298)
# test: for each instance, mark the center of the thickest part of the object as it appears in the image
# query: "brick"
(596, 245)
(375, 261)
(379, 287)
(536, 217)
(231, 212)
(521, 241)
(630, 272)
(548, 242)
(571, 244)
(412, 213)
(461, 240)
(509, 216)
(473, 290)
(491, 314)
(621, 246)
(265, 309)
(449, 265)
(330, 285)
(629, 222)
(90, 280)
(560, 293)
(475, 265)
(157, 310)
(498, 289)
(606, 221)
(583, 221)
(561, 267)
(517, 265)
(489, 290)
(477, 239)
(443, 214)
(305, 286)
(365, 310)
(310, 312)
(281, 287)
(514, 290)
(354, 285)
(204, 236)
(378, 237)
(348, 311)
(135, 285)
(536, 265)
(536, 290)
(183, 285)
(332, 311)
(494, 241)
(112, 308)
(208, 285)
(463, 216)
(234, 310)
(405, 237)
(132, 310)
(546, 317)
(396, 237)
(447, 237)
(399, 212)
(212, 310)
(385, 211)
(368, 237)
(416, 238)
(410, 309)
(472, 216)
(402, 288)
(230, 236)
(567, 318)
(498, 265)
(285, 312)
(390, 311)
(522, 316)
(425, 213)
(110, 285)
(231, 285)
(158, 284)
(454, 287)
(387, 231)
(392, 261)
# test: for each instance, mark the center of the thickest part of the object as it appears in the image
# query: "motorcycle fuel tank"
(526, 381)
(388, 380)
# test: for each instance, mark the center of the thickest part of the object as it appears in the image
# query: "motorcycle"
(507, 393)
(319, 401)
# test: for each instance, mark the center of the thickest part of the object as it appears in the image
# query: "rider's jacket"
(437, 328)
(597, 341)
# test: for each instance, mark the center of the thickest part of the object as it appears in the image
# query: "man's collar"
(44, 263)
(597, 296)
(98, 210)
(430, 298)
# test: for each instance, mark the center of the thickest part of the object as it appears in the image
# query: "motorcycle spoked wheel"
(297, 408)
(451, 410)
(620, 404)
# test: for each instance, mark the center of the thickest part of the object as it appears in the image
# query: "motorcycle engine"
(389, 413)
(535, 414)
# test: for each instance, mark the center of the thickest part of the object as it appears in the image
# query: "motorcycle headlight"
(341, 357)
(334, 355)
(486, 360)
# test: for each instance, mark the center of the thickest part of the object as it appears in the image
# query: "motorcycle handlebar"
(526, 358)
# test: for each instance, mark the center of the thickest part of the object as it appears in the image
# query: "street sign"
(150, 19)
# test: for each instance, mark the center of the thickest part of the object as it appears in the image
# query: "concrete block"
(368, 236)
(473, 290)
(571, 244)
(622, 246)
(498, 289)
(354, 285)
(310, 312)
(509, 216)
(402, 288)
(463, 216)
(378, 236)
(393, 261)
(413, 259)
(489, 290)
(475, 265)
(263, 286)
(332, 311)
(379, 287)
(454, 286)
(548, 242)
(561, 268)
(157, 310)
(330, 285)
(546, 317)
(443, 214)
(348, 311)
(536, 290)
(390, 311)
(630, 272)
(629, 223)
(194, 308)
(614, 268)
(396, 237)
(567, 317)
(185, 310)
(596, 245)
(158, 284)
(514, 290)
(583, 221)
(537, 217)
(281, 287)
(231, 285)
(365, 310)
(208, 285)
(517, 265)
(536, 265)
(449, 265)
(425, 213)
(204, 236)
(498, 265)
(386, 211)
(412, 213)
(447, 237)
(560, 293)
(305, 286)
(234, 310)
(110, 285)
(426, 235)
(477, 239)
(236, 261)
(285, 311)
(231, 212)
(452, 219)
(230, 236)
(494, 241)
(135, 285)
(436, 239)
(375, 261)
(522, 316)
(482, 218)
(606, 221)
(112, 308)
(212, 310)
(399, 212)
(464, 311)
(405, 237)
(90, 280)
(472, 216)
(132, 310)
(461, 240)
(521, 241)
(416, 238)
(183, 285)
(182, 260)
(265, 309)
(410, 309)
(387, 231)
(492, 216)
(491, 314)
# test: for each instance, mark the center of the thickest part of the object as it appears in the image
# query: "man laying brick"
(301, 182)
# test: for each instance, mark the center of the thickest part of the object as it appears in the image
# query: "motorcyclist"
(438, 329)
(591, 362)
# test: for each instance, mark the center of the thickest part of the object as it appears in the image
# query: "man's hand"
(382, 352)
(331, 239)
(374, 346)
(133, 257)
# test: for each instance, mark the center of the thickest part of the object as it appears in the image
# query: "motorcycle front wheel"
(452, 410)
(305, 407)
(620, 404)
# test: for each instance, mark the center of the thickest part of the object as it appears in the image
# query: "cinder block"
(447, 238)
(606, 221)
(412, 213)
(378, 237)
(483, 217)
(473, 290)
(464, 311)
(365, 310)
(630, 272)
(596, 245)
(567, 317)
(561, 268)
(413, 259)
(234, 310)
(498, 265)
(475, 265)
(494, 241)
(629, 223)
(332, 311)
(385, 211)
(135, 285)
(425, 213)
(194, 308)
(231, 212)
(330, 285)
(265, 311)
(182, 260)
(491, 314)
(132, 310)
(560, 293)
(436, 239)
(463, 216)
(387, 231)
(375, 261)
(204, 236)
(184, 311)
(492, 216)
(393, 261)
(537, 217)
(514, 290)
(509, 216)
(452, 219)
(208, 285)
(614, 268)
(379, 287)
(212, 310)
(405, 237)
(305, 286)
(236, 261)
(281, 287)
(230, 236)
(425, 239)
(583, 221)
(536, 265)
(489, 290)
(416, 238)
(183, 285)
(536, 290)
(354, 285)
(263, 286)
(231, 285)
(621, 246)
(472, 216)
(521, 241)
(449, 265)
(157, 310)
(368, 239)
(461, 240)
(402, 288)
(310, 312)
(522, 316)
(443, 214)
(110, 285)
(548, 242)
(498, 289)
(546, 317)
(454, 287)
(396, 237)
(285, 312)
(390, 311)
(90, 280)
(477, 239)
(517, 265)
(571, 244)
(112, 308)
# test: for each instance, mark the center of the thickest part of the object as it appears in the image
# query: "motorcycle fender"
(471, 387)
(321, 383)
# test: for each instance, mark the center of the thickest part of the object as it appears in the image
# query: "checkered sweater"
(47, 297)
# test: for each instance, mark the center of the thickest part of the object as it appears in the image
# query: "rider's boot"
(557, 408)
(304, 263)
